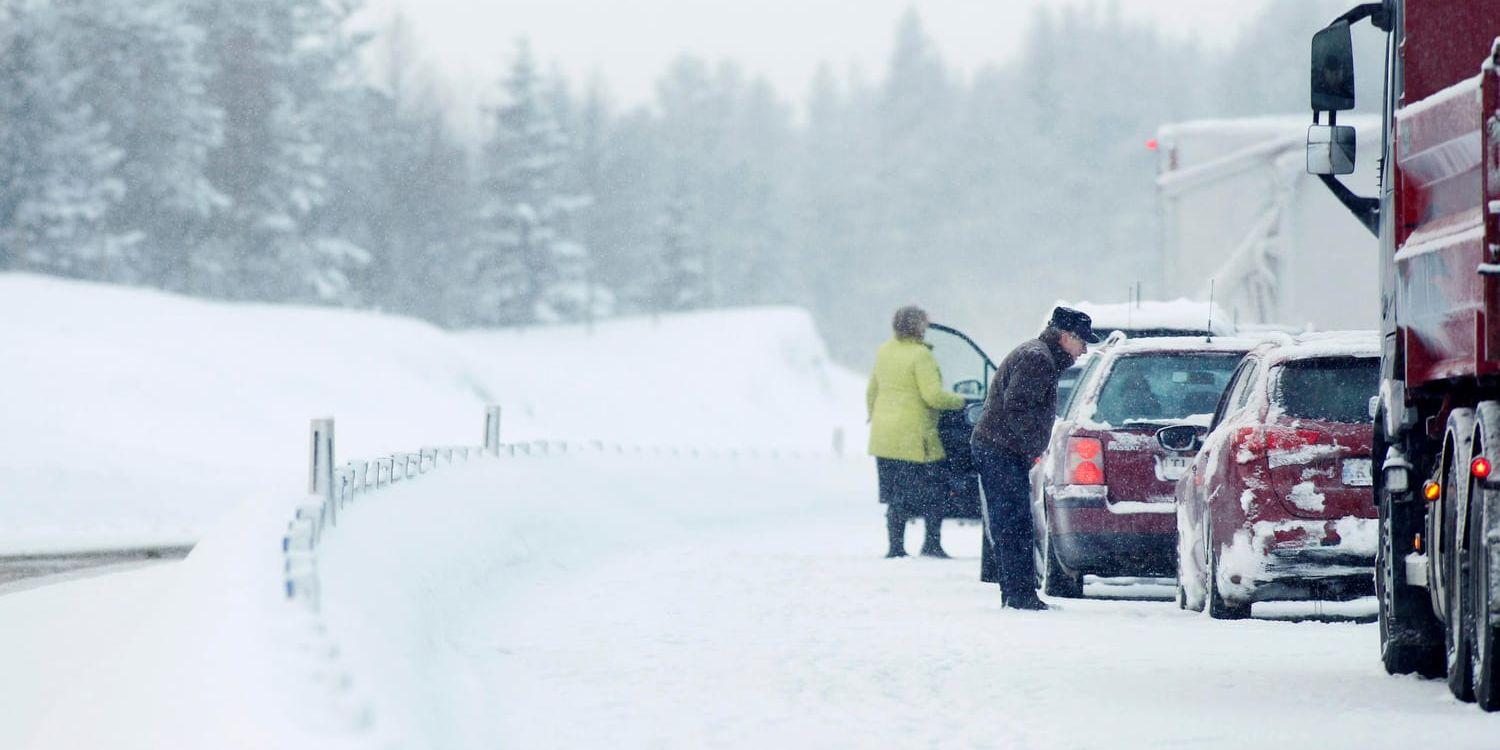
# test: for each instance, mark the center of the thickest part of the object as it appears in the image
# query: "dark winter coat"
(1022, 401)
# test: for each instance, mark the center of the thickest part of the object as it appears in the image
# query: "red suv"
(1277, 503)
(1102, 493)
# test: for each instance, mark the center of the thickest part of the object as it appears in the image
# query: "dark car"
(1102, 497)
(1277, 503)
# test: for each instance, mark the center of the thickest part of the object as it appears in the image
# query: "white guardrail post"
(492, 431)
(320, 465)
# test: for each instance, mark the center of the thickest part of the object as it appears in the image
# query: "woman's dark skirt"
(915, 489)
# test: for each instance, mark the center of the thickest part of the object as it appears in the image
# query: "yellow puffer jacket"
(904, 397)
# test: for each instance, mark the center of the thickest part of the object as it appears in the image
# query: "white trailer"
(1238, 209)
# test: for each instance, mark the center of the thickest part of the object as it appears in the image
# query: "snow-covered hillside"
(133, 416)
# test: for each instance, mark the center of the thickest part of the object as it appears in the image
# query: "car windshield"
(1157, 387)
(1331, 389)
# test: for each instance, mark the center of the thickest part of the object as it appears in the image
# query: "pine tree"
(530, 267)
(274, 69)
(409, 195)
(138, 70)
(57, 181)
(681, 273)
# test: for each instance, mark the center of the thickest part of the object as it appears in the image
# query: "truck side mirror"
(1330, 149)
(1333, 69)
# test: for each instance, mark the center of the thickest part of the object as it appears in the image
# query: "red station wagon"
(1102, 497)
(1277, 503)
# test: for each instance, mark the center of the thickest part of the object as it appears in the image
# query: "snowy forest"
(277, 151)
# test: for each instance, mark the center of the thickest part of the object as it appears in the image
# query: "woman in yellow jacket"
(904, 397)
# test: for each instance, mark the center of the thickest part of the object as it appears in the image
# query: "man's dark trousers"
(1007, 493)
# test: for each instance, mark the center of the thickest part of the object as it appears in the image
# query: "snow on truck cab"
(1436, 430)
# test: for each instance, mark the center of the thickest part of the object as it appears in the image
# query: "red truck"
(1437, 418)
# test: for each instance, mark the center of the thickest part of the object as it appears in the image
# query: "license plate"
(1357, 472)
(1172, 468)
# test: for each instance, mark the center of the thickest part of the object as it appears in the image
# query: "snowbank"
(222, 660)
(137, 417)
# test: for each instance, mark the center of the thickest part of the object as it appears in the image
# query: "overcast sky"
(631, 41)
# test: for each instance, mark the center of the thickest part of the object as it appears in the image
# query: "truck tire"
(1460, 609)
(1057, 581)
(1410, 636)
(1484, 636)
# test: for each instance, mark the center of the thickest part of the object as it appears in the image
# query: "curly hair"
(909, 322)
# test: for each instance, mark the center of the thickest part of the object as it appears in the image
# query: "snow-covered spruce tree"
(273, 67)
(138, 69)
(415, 206)
(528, 266)
(57, 180)
(682, 280)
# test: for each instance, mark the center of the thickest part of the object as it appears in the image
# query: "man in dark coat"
(1012, 432)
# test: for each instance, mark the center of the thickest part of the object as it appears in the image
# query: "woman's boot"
(932, 546)
(895, 529)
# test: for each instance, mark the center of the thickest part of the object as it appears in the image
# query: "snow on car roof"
(1126, 345)
(1325, 344)
(1178, 314)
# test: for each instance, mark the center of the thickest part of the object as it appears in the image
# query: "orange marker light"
(1480, 467)
(1431, 490)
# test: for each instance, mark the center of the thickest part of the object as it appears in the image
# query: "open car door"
(967, 371)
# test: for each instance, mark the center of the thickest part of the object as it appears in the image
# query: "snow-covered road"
(608, 601)
(795, 633)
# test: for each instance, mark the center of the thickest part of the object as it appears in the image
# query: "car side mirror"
(969, 389)
(1330, 149)
(1180, 438)
(1333, 69)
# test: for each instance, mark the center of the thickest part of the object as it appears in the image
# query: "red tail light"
(1249, 440)
(1258, 441)
(1480, 467)
(1085, 461)
(1283, 439)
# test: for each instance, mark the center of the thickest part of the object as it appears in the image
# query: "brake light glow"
(1431, 490)
(1480, 467)
(1085, 460)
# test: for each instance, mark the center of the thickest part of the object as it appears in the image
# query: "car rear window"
(1331, 389)
(1157, 387)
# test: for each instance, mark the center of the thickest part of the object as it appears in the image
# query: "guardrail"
(334, 489)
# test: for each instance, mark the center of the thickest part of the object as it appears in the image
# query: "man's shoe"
(935, 552)
(895, 553)
(1030, 603)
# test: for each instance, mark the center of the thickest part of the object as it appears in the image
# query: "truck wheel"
(1057, 581)
(1483, 641)
(1410, 638)
(1460, 609)
(1218, 608)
